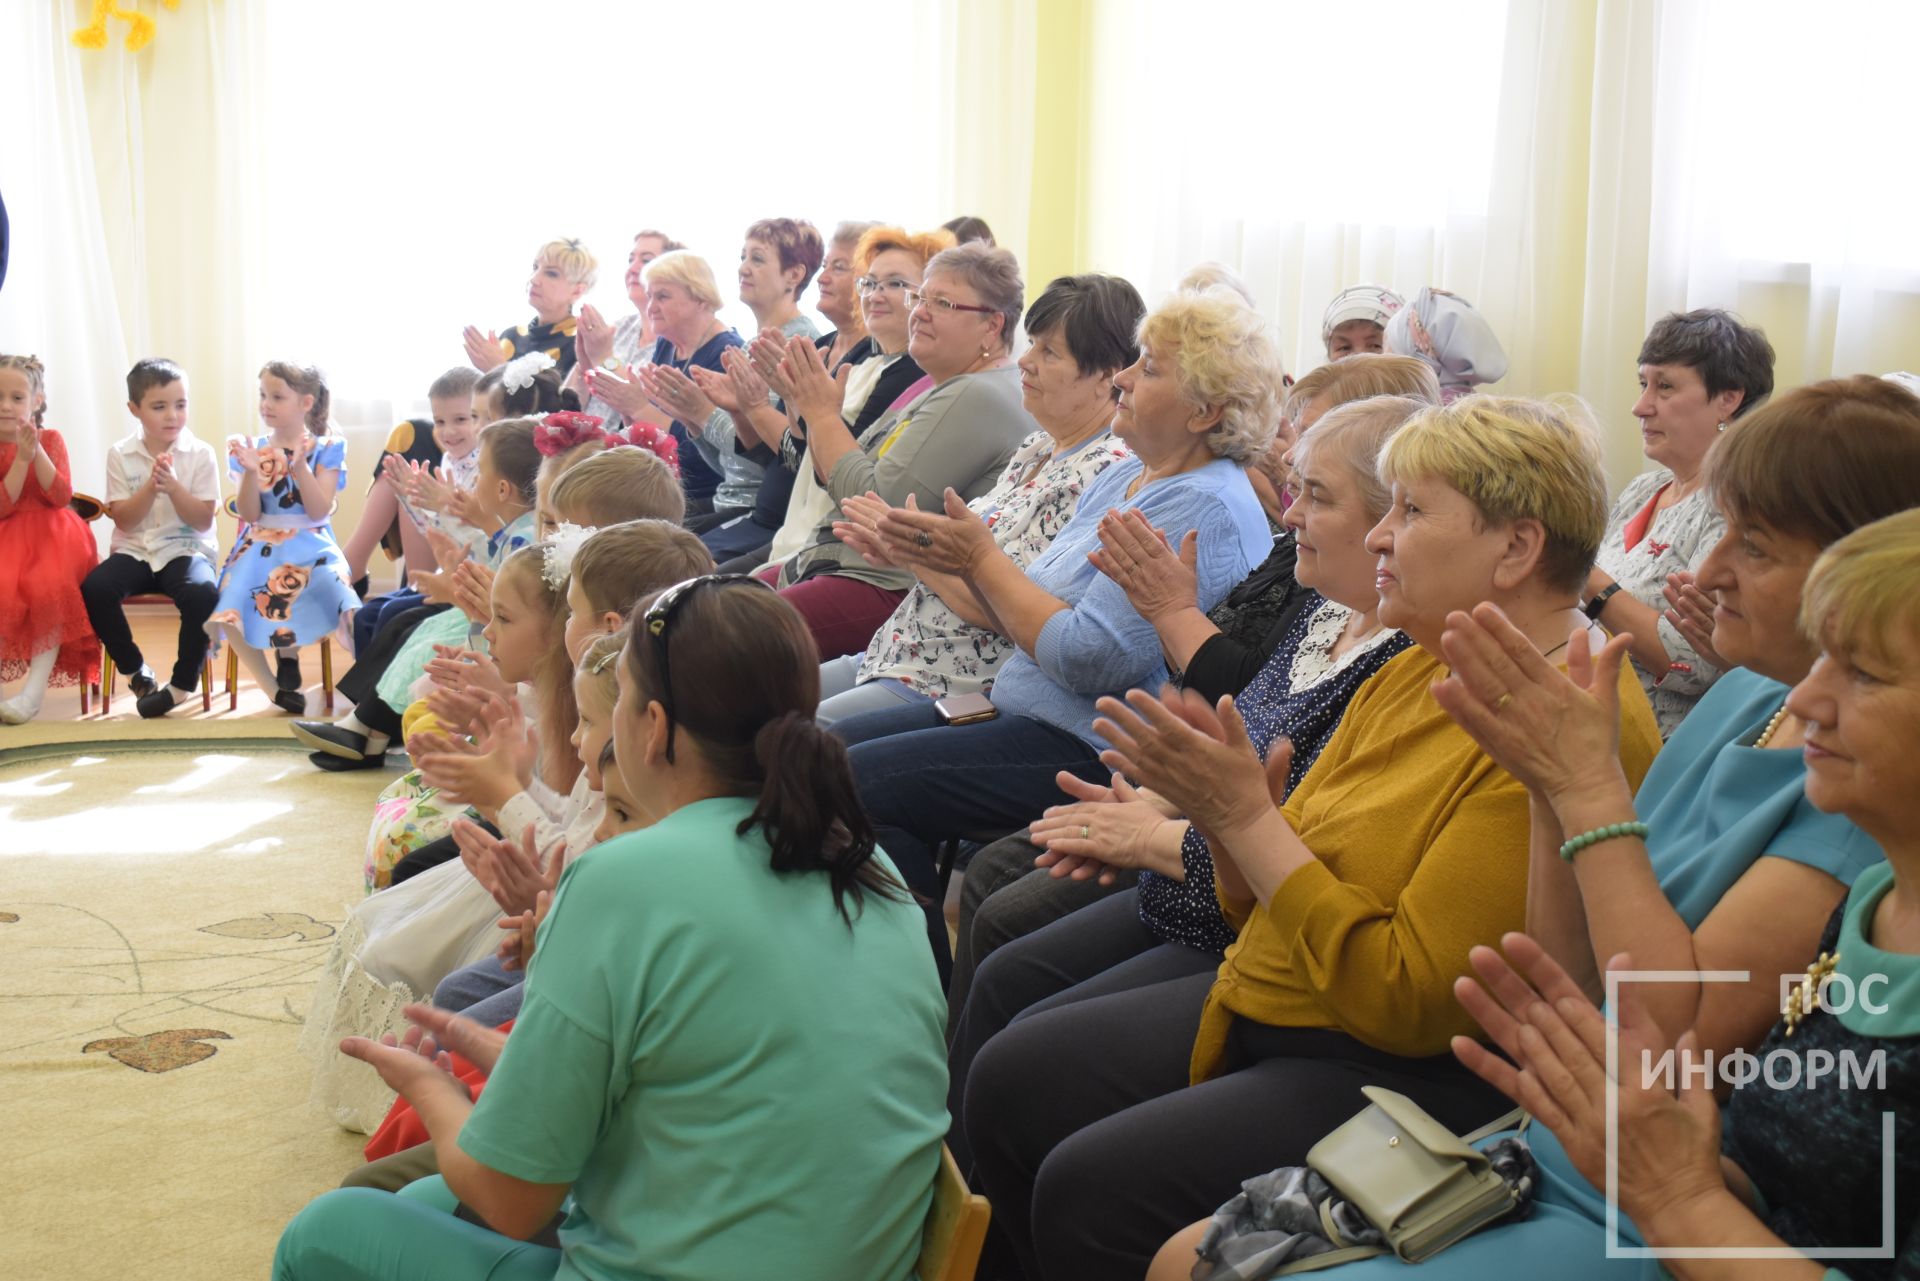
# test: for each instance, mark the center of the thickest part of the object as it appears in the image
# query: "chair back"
(956, 1227)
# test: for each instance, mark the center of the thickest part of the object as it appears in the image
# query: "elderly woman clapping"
(1794, 1161)
(1733, 870)
(956, 436)
(1196, 408)
(1094, 1122)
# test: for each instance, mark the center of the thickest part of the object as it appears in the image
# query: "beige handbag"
(1421, 1186)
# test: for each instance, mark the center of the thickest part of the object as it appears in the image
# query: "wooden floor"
(156, 630)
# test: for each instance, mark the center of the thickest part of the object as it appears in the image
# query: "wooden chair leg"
(206, 683)
(326, 671)
(106, 685)
(233, 679)
(86, 687)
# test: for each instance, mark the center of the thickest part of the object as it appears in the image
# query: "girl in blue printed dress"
(285, 582)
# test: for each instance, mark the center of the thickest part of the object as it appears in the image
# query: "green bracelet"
(1610, 832)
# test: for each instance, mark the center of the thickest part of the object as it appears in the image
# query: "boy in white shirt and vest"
(163, 488)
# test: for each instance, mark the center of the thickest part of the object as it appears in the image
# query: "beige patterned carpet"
(165, 899)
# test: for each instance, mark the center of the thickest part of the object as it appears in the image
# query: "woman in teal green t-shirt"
(731, 1060)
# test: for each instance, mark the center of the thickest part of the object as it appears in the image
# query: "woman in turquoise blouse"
(730, 1061)
(1738, 871)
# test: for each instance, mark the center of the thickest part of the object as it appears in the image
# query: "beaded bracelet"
(1599, 834)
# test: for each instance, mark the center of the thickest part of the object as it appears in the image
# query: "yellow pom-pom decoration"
(140, 28)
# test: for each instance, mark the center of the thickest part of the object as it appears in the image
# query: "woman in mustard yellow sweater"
(1107, 1116)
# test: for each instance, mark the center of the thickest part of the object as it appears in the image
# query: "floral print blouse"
(1678, 538)
(926, 644)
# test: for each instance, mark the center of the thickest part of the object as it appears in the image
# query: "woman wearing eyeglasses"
(730, 1055)
(958, 435)
(887, 262)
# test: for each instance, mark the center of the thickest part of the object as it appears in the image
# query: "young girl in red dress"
(45, 550)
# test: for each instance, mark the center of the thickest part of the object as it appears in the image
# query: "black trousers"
(360, 680)
(188, 581)
(1004, 897)
(1093, 1148)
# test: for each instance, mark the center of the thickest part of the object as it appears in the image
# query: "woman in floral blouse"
(938, 641)
(1699, 372)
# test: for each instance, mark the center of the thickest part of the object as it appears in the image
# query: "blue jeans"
(486, 992)
(922, 783)
(367, 623)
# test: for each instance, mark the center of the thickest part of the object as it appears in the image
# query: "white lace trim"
(348, 1001)
(1314, 662)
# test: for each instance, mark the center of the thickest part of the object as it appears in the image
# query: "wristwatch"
(1599, 602)
(611, 364)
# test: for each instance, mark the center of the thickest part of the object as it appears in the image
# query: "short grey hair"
(1227, 357)
(1353, 435)
(848, 233)
(994, 274)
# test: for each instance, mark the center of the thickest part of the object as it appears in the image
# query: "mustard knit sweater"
(1420, 845)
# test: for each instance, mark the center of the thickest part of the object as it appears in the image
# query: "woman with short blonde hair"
(1091, 1122)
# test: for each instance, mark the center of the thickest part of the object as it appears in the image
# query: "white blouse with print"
(926, 644)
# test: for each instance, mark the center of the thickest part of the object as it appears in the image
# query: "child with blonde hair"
(563, 271)
(46, 551)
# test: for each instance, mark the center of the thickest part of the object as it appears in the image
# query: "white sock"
(376, 741)
(256, 663)
(34, 688)
(179, 695)
(352, 722)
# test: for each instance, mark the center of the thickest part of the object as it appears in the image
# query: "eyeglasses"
(943, 306)
(874, 285)
(659, 617)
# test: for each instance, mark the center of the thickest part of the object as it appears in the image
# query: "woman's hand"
(592, 338)
(861, 528)
(1105, 829)
(476, 1043)
(768, 352)
(1197, 756)
(473, 590)
(516, 951)
(955, 541)
(817, 394)
(623, 392)
(1134, 554)
(1692, 616)
(511, 871)
(1668, 1147)
(717, 387)
(408, 1063)
(1557, 733)
(483, 349)
(676, 394)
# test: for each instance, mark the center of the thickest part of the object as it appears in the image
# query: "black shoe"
(361, 586)
(338, 764)
(286, 674)
(331, 739)
(143, 683)
(155, 703)
(291, 701)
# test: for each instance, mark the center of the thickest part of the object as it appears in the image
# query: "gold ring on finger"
(1500, 704)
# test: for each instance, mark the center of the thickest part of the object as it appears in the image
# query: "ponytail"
(306, 380)
(811, 812)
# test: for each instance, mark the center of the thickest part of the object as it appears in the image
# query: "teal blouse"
(734, 1082)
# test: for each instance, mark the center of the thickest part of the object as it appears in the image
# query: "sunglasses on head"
(659, 617)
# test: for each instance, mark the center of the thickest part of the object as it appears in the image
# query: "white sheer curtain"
(1575, 169)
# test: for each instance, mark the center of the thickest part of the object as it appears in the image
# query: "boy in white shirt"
(163, 488)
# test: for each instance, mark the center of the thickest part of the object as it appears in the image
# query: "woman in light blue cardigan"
(1196, 408)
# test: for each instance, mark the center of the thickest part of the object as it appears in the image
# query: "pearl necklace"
(1766, 735)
